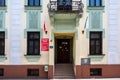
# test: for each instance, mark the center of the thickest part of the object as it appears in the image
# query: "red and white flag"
(44, 27)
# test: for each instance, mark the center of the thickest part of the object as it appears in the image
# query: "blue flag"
(85, 22)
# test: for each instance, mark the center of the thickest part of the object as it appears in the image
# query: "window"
(2, 43)
(33, 43)
(2, 2)
(33, 2)
(1, 72)
(95, 72)
(95, 3)
(95, 43)
(33, 72)
(64, 2)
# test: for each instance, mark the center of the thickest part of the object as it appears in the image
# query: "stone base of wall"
(50, 71)
(20, 71)
(108, 71)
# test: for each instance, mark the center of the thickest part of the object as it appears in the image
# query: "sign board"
(51, 47)
(44, 44)
(85, 61)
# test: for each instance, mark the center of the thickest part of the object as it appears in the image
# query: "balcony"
(65, 7)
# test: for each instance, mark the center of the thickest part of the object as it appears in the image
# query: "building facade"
(41, 38)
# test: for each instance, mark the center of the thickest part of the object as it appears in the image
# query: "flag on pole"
(86, 22)
(44, 27)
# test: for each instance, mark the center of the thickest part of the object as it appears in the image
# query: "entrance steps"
(64, 71)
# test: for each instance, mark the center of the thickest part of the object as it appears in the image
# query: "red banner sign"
(44, 44)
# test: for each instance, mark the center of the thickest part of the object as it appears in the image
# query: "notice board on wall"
(44, 44)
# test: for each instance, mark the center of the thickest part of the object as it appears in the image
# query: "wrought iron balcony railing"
(73, 6)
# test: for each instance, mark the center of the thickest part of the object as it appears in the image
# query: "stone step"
(64, 77)
(64, 71)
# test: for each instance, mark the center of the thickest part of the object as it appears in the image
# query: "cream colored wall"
(81, 49)
(83, 41)
(44, 54)
(7, 48)
(119, 32)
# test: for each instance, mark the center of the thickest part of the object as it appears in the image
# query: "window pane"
(92, 42)
(37, 46)
(95, 36)
(98, 42)
(36, 51)
(36, 2)
(3, 44)
(30, 50)
(2, 36)
(31, 2)
(68, 2)
(95, 43)
(98, 2)
(31, 36)
(2, 2)
(2, 51)
(95, 72)
(1, 72)
(98, 51)
(92, 2)
(36, 36)
(60, 2)
(31, 43)
(36, 43)
(33, 72)
(92, 50)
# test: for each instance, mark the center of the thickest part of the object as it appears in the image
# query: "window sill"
(95, 7)
(95, 58)
(3, 8)
(96, 55)
(3, 58)
(33, 7)
(32, 58)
